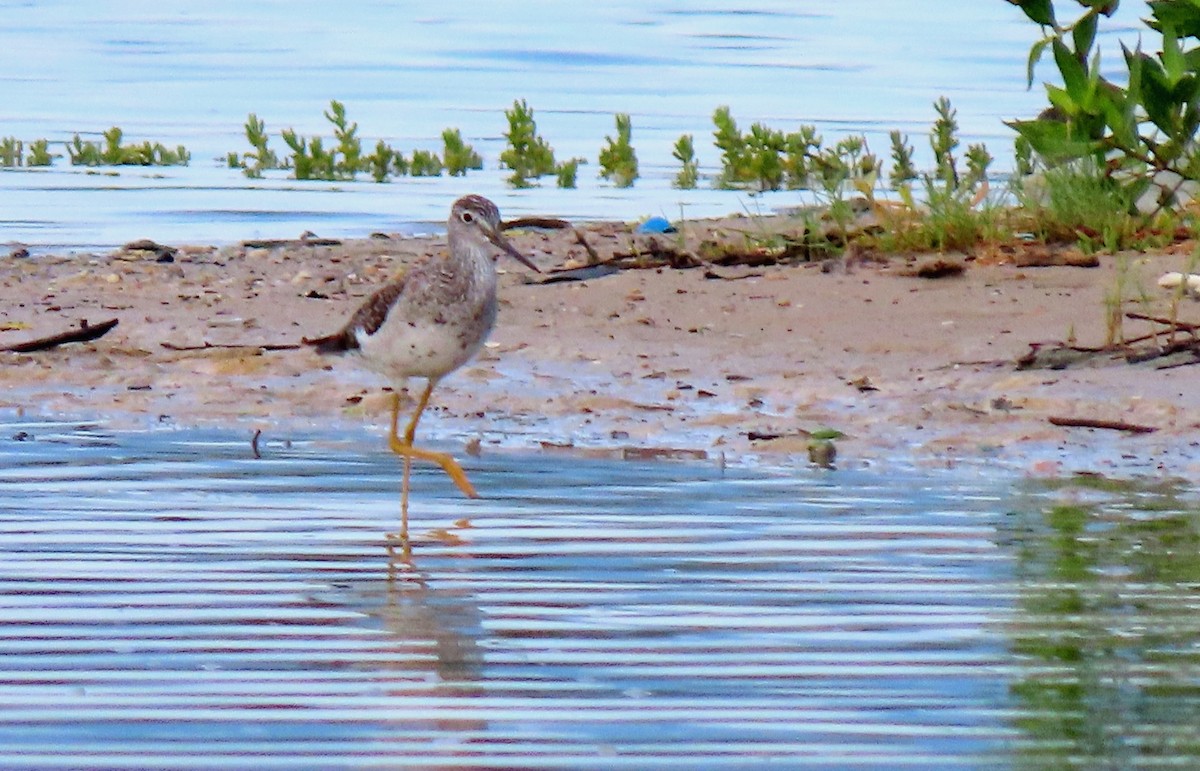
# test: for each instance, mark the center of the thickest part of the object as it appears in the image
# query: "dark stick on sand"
(84, 333)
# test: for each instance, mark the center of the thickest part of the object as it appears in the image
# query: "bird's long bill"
(497, 238)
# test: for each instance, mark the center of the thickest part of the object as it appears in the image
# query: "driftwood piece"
(1113, 425)
(544, 223)
(83, 334)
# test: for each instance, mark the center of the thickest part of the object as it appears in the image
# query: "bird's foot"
(448, 464)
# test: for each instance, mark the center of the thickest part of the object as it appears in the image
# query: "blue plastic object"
(656, 225)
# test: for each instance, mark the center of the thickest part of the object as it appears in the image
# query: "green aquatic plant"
(342, 158)
(347, 155)
(567, 172)
(765, 158)
(261, 157)
(459, 157)
(944, 140)
(748, 160)
(957, 212)
(83, 153)
(618, 160)
(764, 148)
(310, 159)
(841, 171)
(735, 163)
(39, 154)
(112, 152)
(12, 152)
(979, 160)
(425, 163)
(528, 155)
(800, 148)
(685, 152)
(903, 171)
(384, 162)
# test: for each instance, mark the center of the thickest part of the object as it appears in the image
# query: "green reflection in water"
(1107, 633)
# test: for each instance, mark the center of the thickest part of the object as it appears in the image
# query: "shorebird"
(428, 322)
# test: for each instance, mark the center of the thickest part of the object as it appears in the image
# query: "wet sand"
(734, 363)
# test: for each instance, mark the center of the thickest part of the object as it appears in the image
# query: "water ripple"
(172, 602)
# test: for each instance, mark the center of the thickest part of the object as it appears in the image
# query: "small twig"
(254, 443)
(975, 363)
(256, 346)
(85, 333)
(715, 276)
(1114, 425)
(1180, 325)
(593, 257)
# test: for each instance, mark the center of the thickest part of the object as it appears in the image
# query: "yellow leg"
(404, 448)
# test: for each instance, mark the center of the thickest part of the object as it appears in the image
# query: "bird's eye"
(467, 216)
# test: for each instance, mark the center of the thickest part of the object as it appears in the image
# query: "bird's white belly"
(399, 350)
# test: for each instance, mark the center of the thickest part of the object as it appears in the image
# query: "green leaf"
(1172, 56)
(1053, 139)
(1035, 55)
(1040, 11)
(1156, 94)
(1119, 116)
(1084, 34)
(1073, 72)
(1062, 100)
(1183, 16)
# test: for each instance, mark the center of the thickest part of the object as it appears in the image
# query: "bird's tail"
(338, 342)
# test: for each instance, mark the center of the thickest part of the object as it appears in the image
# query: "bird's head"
(476, 218)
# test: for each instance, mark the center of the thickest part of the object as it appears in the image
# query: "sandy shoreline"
(684, 362)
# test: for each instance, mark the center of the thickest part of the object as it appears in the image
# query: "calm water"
(188, 73)
(171, 602)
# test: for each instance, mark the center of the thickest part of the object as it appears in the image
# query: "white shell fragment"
(1189, 281)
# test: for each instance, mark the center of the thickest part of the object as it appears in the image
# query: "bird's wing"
(369, 318)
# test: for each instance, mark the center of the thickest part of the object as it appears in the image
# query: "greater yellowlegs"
(428, 322)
